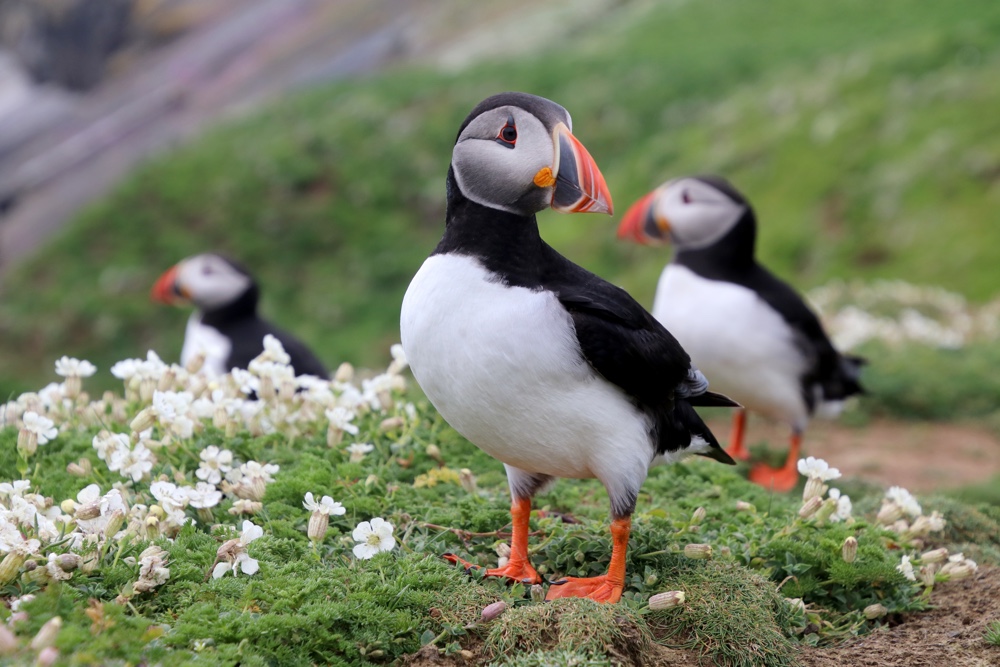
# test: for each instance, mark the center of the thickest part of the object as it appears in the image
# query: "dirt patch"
(921, 456)
(951, 634)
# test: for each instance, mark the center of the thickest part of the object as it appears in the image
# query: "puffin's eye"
(685, 197)
(508, 133)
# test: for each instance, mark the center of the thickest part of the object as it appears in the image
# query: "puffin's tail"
(686, 425)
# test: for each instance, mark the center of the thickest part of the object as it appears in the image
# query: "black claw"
(560, 582)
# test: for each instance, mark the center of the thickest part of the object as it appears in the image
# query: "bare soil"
(920, 456)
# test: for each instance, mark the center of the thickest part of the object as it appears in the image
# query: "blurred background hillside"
(311, 141)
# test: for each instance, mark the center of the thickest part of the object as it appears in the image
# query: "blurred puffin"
(749, 331)
(225, 326)
(540, 363)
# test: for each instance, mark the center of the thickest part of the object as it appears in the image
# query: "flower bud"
(814, 488)
(8, 642)
(849, 550)
(698, 516)
(889, 514)
(79, 469)
(318, 523)
(698, 551)
(88, 511)
(652, 579)
(491, 611)
(220, 418)
(68, 562)
(48, 655)
(68, 506)
(825, 510)
(928, 574)
(115, 522)
(503, 550)
(371, 481)
(743, 506)
(468, 480)
(667, 600)
(286, 391)
(580, 557)
(72, 386)
(195, 363)
(47, 634)
(874, 611)
(232, 428)
(391, 424)
(167, 380)
(434, 452)
(265, 389)
(147, 387)
(537, 593)
(934, 556)
(502, 561)
(466, 654)
(385, 399)
(144, 420)
(797, 603)
(27, 443)
(810, 507)
(725, 552)
(10, 566)
(959, 570)
(345, 373)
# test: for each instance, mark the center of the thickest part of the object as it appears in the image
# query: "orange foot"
(600, 589)
(513, 570)
(780, 479)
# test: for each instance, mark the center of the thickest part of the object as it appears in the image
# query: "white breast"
(503, 366)
(742, 345)
(202, 338)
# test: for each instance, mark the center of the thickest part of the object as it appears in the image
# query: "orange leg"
(784, 478)
(736, 447)
(518, 566)
(607, 587)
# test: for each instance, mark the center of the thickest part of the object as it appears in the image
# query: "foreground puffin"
(749, 331)
(540, 363)
(225, 326)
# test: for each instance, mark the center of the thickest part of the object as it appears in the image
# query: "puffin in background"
(225, 326)
(540, 363)
(746, 329)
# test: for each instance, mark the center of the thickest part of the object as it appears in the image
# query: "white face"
(696, 213)
(498, 155)
(209, 281)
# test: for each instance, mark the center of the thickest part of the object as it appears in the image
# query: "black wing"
(618, 337)
(837, 375)
(247, 337)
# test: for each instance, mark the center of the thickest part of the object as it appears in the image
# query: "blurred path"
(254, 51)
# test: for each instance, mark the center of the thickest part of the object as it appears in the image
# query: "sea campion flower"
(73, 370)
(399, 362)
(906, 568)
(373, 537)
(817, 471)
(358, 451)
(153, 570)
(36, 430)
(849, 549)
(340, 419)
(214, 464)
(959, 567)
(905, 500)
(134, 462)
(844, 506)
(233, 553)
(319, 520)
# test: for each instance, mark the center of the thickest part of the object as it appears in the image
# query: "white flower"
(214, 464)
(341, 418)
(134, 462)
(399, 362)
(15, 488)
(325, 506)
(11, 539)
(358, 451)
(255, 471)
(107, 444)
(54, 570)
(906, 568)
(373, 537)
(235, 554)
(904, 499)
(70, 367)
(815, 468)
(204, 496)
(41, 426)
(172, 409)
(274, 351)
(844, 506)
(126, 369)
(153, 569)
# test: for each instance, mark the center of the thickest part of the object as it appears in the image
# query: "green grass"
(993, 633)
(862, 134)
(310, 605)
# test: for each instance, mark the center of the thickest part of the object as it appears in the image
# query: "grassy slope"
(860, 133)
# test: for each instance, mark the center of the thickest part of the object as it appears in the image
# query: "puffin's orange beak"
(579, 184)
(641, 223)
(165, 289)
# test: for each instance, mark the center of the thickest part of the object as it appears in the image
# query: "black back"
(731, 259)
(238, 321)
(618, 338)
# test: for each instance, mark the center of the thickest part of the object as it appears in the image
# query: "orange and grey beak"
(579, 184)
(642, 224)
(166, 290)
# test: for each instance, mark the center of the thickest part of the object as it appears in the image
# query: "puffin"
(745, 328)
(543, 365)
(225, 326)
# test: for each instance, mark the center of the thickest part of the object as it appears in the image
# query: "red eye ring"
(507, 136)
